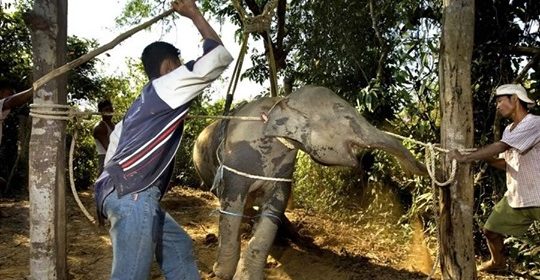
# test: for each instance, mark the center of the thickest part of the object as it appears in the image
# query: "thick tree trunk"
(48, 24)
(457, 248)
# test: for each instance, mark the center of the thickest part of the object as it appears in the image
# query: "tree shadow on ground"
(327, 264)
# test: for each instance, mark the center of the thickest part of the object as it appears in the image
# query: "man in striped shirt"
(520, 206)
(136, 175)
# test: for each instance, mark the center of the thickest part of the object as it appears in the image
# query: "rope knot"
(430, 166)
(259, 23)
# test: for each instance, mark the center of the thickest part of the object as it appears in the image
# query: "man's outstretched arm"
(17, 100)
(484, 153)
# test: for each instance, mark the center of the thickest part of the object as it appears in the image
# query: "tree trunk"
(48, 25)
(456, 242)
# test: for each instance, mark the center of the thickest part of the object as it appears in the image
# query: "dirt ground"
(341, 251)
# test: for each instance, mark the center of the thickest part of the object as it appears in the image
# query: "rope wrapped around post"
(64, 113)
(430, 159)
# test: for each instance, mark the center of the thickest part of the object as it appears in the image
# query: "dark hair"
(524, 104)
(4, 84)
(154, 54)
(103, 103)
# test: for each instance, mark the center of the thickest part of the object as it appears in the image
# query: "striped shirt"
(152, 128)
(523, 162)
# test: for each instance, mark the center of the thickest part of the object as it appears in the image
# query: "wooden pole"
(456, 218)
(48, 25)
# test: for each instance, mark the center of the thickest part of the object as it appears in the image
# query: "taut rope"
(66, 112)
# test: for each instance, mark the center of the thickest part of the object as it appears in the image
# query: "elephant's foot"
(287, 231)
(212, 276)
(223, 272)
(252, 262)
(249, 270)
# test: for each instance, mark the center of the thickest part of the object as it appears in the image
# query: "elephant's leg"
(232, 203)
(253, 260)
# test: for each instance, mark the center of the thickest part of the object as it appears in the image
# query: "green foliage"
(326, 189)
(85, 164)
(84, 82)
(526, 251)
(349, 195)
(15, 58)
(134, 11)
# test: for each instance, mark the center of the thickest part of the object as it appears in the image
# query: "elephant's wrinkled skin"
(313, 119)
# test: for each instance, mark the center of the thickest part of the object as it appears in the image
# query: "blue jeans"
(140, 229)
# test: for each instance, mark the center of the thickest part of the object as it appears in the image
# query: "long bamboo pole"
(86, 57)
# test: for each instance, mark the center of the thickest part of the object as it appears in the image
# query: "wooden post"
(48, 24)
(456, 240)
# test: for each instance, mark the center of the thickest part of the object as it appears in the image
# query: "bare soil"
(341, 251)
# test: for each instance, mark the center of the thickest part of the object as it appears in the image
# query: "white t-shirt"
(3, 116)
(523, 162)
(114, 137)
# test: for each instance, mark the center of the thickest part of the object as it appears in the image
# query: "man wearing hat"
(520, 206)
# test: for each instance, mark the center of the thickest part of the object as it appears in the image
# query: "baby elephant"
(251, 162)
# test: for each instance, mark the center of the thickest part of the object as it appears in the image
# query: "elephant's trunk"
(393, 146)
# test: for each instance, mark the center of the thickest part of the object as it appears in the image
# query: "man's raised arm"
(188, 9)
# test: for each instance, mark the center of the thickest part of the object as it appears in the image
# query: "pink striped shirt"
(523, 162)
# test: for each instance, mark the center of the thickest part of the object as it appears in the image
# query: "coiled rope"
(430, 160)
(64, 113)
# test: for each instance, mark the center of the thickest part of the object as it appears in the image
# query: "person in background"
(9, 100)
(520, 143)
(103, 130)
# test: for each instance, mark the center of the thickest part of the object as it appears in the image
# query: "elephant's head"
(330, 130)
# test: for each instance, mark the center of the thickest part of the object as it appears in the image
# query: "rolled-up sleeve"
(183, 84)
(524, 136)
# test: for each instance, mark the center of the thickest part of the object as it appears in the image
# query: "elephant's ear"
(286, 121)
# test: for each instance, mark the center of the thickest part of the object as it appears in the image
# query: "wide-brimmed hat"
(511, 89)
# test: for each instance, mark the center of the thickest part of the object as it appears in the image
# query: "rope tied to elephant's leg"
(270, 215)
(253, 218)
